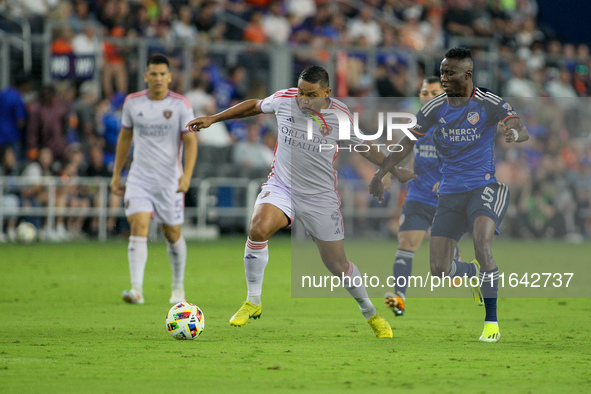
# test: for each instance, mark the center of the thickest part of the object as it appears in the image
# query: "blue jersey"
(464, 137)
(12, 110)
(426, 167)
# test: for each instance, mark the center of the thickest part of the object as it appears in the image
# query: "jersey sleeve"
(427, 116)
(126, 120)
(270, 104)
(503, 111)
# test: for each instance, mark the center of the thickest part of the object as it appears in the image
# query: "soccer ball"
(185, 321)
(26, 233)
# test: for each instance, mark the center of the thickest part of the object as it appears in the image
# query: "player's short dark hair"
(432, 79)
(459, 54)
(315, 74)
(158, 59)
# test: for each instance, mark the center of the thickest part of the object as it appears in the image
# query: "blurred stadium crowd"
(69, 128)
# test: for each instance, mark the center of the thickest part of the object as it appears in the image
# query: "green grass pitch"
(64, 328)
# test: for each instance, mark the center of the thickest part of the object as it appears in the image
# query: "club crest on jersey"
(325, 130)
(507, 106)
(473, 117)
(167, 113)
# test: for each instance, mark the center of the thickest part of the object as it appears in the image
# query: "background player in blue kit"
(466, 119)
(419, 206)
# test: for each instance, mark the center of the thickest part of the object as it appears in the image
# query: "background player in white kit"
(154, 119)
(302, 184)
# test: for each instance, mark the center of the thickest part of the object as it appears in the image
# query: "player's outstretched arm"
(375, 156)
(242, 110)
(514, 130)
(121, 152)
(376, 187)
(190, 158)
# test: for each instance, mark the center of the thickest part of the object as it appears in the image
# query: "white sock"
(137, 253)
(359, 293)
(256, 257)
(177, 253)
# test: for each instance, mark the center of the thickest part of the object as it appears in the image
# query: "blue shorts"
(416, 216)
(456, 212)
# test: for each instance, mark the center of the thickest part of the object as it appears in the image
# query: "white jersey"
(158, 126)
(303, 165)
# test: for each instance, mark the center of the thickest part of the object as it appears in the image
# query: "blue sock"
(402, 269)
(459, 268)
(490, 288)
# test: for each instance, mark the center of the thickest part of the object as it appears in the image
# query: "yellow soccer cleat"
(490, 333)
(248, 310)
(380, 326)
(476, 291)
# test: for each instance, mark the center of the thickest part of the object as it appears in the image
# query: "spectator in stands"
(482, 19)
(86, 43)
(62, 43)
(72, 195)
(10, 193)
(207, 22)
(519, 85)
(252, 155)
(313, 26)
(412, 35)
(114, 67)
(110, 115)
(301, 9)
(275, 24)
(13, 114)
(529, 33)
(81, 16)
(364, 26)
(459, 18)
(98, 169)
(48, 124)
(231, 89)
(85, 109)
(182, 29)
(254, 31)
(204, 104)
(561, 85)
(432, 27)
(35, 194)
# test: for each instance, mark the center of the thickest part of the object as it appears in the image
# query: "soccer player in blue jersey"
(419, 206)
(470, 197)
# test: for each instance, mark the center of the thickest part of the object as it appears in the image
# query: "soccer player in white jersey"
(308, 193)
(154, 120)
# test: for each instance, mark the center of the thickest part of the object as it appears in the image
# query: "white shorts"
(274, 192)
(167, 206)
(320, 216)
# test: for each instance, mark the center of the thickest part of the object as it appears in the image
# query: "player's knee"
(438, 267)
(172, 234)
(139, 228)
(408, 243)
(335, 266)
(259, 232)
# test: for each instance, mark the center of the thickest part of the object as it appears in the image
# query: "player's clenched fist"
(200, 123)
(116, 187)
